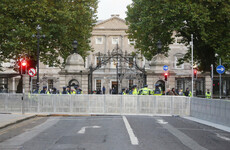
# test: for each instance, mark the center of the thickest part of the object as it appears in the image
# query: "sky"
(108, 7)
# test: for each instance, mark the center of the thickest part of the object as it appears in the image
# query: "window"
(50, 83)
(98, 60)
(130, 62)
(130, 84)
(131, 42)
(99, 40)
(115, 40)
(98, 84)
(176, 61)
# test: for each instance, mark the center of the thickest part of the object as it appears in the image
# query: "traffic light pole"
(38, 55)
(220, 79)
(212, 81)
(192, 60)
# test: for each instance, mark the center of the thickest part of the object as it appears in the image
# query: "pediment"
(112, 23)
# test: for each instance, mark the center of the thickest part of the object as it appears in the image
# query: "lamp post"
(159, 46)
(75, 44)
(191, 43)
(38, 28)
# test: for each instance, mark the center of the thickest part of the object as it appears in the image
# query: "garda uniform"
(123, 92)
(208, 95)
(144, 91)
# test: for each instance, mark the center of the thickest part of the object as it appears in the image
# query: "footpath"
(13, 118)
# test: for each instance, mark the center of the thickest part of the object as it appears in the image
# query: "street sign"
(165, 67)
(220, 69)
(32, 72)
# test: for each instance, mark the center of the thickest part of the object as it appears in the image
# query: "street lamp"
(159, 46)
(74, 44)
(38, 28)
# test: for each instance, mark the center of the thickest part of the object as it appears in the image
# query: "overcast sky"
(108, 7)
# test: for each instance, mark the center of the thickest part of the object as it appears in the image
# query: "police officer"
(123, 92)
(54, 91)
(144, 91)
(157, 90)
(64, 91)
(134, 92)
(44, 91)
(208, 94)
(68, 89)
(188, 93)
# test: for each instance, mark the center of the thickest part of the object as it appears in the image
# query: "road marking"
(15, 142)
(186, 140)
(82, 131)
(132, 136)
(161, 121)
(222, 137)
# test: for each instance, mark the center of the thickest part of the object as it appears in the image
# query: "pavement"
(7, 119)
(119, 133)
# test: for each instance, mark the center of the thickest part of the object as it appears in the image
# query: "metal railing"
(213, 110)
(95, 104)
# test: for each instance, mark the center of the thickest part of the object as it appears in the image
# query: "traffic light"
(23, 66)
(195, 74)
(166, 76)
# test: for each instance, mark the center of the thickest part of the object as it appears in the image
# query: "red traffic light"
(166, 76)
(24, 63)
(195, 73)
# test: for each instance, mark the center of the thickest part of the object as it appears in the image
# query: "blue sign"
(165, 67)
(220, 69)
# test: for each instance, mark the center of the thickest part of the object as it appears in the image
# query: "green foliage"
(208, 21)
(62, 22)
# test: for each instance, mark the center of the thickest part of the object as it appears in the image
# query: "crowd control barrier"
(95, 104)
(213, 110)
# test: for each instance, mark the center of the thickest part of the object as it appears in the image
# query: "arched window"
(176, 61)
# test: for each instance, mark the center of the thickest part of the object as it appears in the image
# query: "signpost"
(32, 72)
(220, 69)
(165, 67)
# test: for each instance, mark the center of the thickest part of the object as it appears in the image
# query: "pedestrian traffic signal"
(23, 66)
(195, 74)
(166, 76)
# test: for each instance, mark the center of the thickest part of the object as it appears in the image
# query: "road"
(113, 133)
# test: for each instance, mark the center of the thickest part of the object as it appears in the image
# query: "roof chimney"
(115, 15)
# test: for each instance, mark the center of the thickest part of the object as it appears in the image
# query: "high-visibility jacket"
(190, 94)
(145, 91)
(135, 91)
(208, 95)
(123, 93)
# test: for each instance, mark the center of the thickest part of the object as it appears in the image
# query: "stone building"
(112, 64)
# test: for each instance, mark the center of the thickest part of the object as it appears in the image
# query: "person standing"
(208, 94)
(103, 89)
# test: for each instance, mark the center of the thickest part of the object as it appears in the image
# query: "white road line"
(82, 131)
(132, 136)
(222, 137)
(161, 121)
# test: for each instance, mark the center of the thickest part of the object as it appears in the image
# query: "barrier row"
(95, 104)
(213, 110)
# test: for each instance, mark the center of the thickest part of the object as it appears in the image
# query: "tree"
(153, 20)
(62, 21)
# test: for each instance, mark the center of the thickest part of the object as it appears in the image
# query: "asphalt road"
(113, 133)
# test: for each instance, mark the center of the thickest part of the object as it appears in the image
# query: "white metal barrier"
(95, 104)
(213, 110)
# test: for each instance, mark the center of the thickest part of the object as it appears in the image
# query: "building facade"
(114, 64)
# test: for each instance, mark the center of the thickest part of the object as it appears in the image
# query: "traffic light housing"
(195, 74)
(23, 66)
(166, 76)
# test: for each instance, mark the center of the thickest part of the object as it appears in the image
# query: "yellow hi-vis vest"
(146, 91)
(135, 92)
(208, 95)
